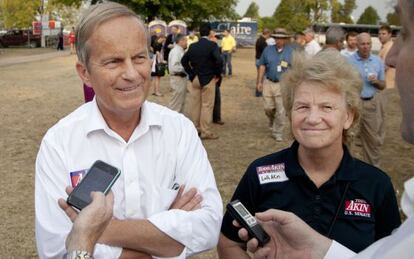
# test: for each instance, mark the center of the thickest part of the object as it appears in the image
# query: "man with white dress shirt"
(178, 77)
(166, 203)
(292, 238)
(311, 46)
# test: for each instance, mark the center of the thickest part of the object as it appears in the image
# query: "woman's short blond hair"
(330, 69)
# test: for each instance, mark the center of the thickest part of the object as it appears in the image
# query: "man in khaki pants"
(178, 78)
(203, 64)
(274, 61)
(371, 69)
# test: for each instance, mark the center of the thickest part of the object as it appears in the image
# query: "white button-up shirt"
(164, 150)
(174, 60)
(398, 245)
(312, 47)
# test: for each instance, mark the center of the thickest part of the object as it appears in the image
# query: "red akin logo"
(357, 207)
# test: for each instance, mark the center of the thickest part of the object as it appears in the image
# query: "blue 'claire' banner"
(243, 32)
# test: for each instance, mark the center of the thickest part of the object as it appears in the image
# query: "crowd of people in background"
(203, 60)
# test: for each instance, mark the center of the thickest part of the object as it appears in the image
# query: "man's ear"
(83, 73)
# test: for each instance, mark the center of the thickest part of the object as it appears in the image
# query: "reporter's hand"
(188, 201)
(290, 237)
(90, 223)
(70, 212)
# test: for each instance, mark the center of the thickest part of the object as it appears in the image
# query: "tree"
(268, 22)
(341, 13)
(393, 19)
(66, 13)
(188, 10)
(292, 15)
(252, 11)
(315, 10)
(369, 16)
(19, 13)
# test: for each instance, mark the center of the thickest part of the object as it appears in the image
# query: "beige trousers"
(273, 106)
(179, 86)
(372, 130)
(201, 105)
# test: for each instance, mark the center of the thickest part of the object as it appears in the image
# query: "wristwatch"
(76, 254)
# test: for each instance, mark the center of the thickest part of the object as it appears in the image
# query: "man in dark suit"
(203, 64)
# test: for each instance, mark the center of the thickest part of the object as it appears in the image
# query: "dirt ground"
(35, 95)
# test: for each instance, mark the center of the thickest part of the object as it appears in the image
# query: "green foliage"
(292, 15)
(192, 11)
(393, 19)
(252, 11)
(369, 16)
(67, 13)
(18, 13)
(341, 13)
(266, 22)
(315, 10)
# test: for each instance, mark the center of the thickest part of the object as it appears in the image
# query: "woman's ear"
(350, 116)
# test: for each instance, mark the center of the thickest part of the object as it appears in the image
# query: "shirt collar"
(96, 121)
(358, 57)
(179, 47)
(345, 171)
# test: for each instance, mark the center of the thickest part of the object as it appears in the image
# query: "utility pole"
(42, 35)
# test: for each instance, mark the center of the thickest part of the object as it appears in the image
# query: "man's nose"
(130, 72)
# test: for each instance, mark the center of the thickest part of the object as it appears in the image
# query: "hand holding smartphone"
(247, 221)
(100, 177)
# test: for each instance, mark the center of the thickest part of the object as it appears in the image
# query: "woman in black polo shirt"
(317, 178)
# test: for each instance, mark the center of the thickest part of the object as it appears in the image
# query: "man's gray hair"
(309, 31)
(94, 16)
(179, 37)
(334, 35)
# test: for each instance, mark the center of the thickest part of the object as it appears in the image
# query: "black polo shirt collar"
(345, 171)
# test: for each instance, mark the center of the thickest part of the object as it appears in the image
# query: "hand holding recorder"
(290, 237)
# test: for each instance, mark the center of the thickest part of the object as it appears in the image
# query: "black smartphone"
(100, 177)
(247, 221)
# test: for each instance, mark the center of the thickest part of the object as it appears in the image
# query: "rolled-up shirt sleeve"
(338, 251)
(52, 225)
(197, 230)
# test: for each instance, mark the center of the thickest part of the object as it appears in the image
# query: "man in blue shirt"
(274, 61)
(371, 69)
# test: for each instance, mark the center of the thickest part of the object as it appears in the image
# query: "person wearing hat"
(274, 61)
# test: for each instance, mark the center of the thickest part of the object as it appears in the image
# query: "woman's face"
(319, 116)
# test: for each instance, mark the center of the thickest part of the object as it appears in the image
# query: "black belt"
(181, 74)
(367, 98)
(274, 81)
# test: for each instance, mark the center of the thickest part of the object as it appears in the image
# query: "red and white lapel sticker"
(76, 177)
(271, 173)
(357, 207)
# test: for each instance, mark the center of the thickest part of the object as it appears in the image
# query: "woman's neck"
(320, 165)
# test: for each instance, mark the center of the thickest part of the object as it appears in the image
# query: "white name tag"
(279, 69)
(271, 173)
